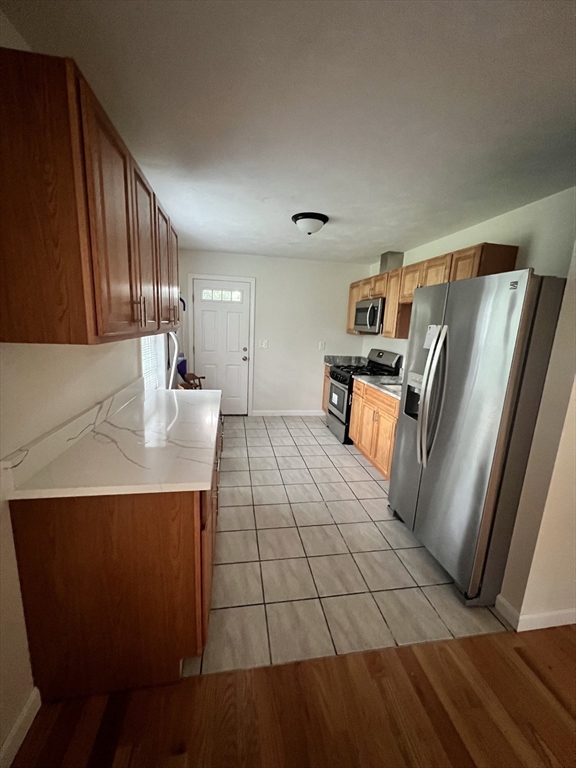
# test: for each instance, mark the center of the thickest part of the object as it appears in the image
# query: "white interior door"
(221, 339)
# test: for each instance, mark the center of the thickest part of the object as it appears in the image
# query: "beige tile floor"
(310, 560)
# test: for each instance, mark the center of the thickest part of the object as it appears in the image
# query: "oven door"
(368, 316)
(338, 398)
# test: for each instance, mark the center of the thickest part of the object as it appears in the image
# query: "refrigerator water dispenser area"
(413, 391)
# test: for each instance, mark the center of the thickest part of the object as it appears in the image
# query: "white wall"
(551, 587)
(298, 304)
(544, 231)
(540, 524)
(40, 387)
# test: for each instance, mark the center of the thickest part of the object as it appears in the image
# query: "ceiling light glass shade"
(309, 223)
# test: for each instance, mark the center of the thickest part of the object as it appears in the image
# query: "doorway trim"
(251, 330)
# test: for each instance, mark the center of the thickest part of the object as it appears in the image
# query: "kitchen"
(300, 543)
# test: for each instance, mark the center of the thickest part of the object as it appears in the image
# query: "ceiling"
(403, 121)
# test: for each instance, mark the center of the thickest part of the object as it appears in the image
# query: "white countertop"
(381, 383)
(159, 441)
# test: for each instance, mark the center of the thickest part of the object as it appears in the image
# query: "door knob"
(244, 358)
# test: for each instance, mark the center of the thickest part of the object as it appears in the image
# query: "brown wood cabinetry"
(379, 283)
(145, 250)
(109, 191)
(436, 271)
(396, 316)
(326, 388)
(483, 259)
(80, 261)
(373, 425)
(353, 297)
(409, 281)
(399, 285)
(116, 589)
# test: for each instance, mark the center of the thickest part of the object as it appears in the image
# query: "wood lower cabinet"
(373, 422)
(116, 589)
(78, 233)
(326, 388)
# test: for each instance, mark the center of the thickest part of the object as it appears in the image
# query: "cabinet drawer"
(359, 387)
(382, 401)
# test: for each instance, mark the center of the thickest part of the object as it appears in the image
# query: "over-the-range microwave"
(368, 316)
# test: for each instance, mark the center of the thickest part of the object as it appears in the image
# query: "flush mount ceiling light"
(309, 223)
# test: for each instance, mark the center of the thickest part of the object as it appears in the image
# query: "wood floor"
(501, 700)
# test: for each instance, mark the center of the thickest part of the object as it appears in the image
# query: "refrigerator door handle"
(428, 392)
(419, 444)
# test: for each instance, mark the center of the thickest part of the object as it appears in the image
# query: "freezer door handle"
(441, 339)
(425, 377)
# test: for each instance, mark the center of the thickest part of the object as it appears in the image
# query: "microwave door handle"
(368, 315)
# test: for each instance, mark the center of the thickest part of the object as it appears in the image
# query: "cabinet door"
(326, 388)
(353, 297)
(465, 263)
(174, 277)
(409, 281)
(391, 307)
(365, 289)
(436, 271)
(164, 289)
(207, 539)
(379, 286)
(109, 188)
(355, 418)
(366, 428)
(385, 431)
(145, 250)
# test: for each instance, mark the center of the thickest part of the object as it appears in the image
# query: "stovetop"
(344, 373)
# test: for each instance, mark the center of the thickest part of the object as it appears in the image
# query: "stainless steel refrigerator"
(477, 357)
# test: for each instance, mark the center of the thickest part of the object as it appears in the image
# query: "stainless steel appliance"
(477, 356)
(379, 363)
(368, 316)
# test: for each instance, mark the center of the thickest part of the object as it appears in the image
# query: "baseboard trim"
(287, 413)
(509, 613)
(523, 622)
(20, 728)
(547, 619)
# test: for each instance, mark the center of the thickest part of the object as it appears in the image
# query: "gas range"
(380, 363)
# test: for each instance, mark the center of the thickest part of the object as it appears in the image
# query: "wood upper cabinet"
(396, 316)
(365, 289)
(145, 260)
(409, 281)
(379, 283)
(353, 297)
(165, 299)
(436, 271)
(174, 275)
(483, 259)
(78, 240)
(109, 187)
